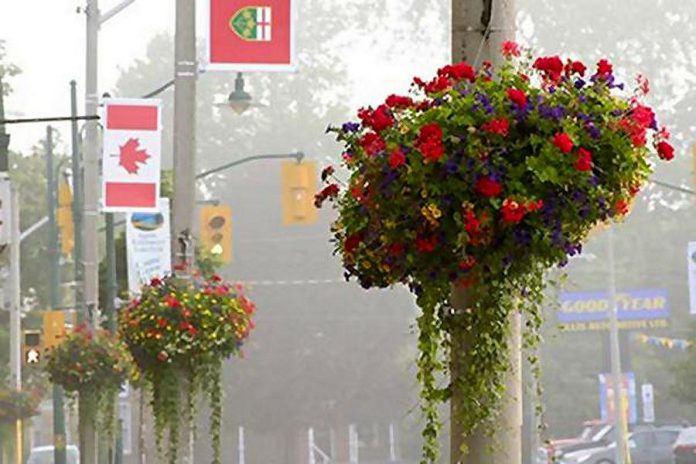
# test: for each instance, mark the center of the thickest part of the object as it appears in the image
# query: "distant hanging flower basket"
(179, 332)
(18, 405)
(92, 363)
(486, 178)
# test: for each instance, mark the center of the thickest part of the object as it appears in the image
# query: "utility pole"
(619, 417)
(59, 454)
(185, 72)
(88, 432)
(4, 136)
(479, 27)
(16, 316)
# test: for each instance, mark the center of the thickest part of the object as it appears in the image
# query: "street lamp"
(239, 100)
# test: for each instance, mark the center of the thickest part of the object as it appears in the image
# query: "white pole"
(241, 445)
(619, 417)
(353, 444)
(310, 446)
(392, 443)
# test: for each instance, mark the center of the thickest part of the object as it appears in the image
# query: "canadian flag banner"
(250, 35)
(131, 155)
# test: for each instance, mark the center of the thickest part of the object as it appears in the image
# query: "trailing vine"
(482, 180)
(179, 332)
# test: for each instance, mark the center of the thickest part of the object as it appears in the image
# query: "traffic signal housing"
(216, 231)
(53, 328)
(299, 184)
(64, 217)
(31, 347)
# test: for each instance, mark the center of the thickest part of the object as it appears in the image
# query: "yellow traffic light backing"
(299, 184)
(31, 347)
(53, 328)
(64, 217)
(216, 231)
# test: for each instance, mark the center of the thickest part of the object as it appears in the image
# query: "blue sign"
(637, 309)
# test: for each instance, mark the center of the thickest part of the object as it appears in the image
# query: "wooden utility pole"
(479, 27)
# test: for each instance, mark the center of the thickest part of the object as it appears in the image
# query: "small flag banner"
(670, 343)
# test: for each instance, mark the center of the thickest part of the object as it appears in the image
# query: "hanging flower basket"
(18, 404)
(92, 364)
(179, 332)
(484, 179)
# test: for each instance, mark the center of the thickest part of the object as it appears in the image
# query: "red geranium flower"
(397, 101)
(497, 126)
(563, 142)
(378, 119)
(396, 249)
(426, 245)
(551, 66)
(584, 161)
(604, 68)
(172, 301)
(467, 263)
(643, 116)
(351, 243)
(517, 96)
(372, 143)
(576, 67)
(512, 211)
(430, 142)
(621, 207)
(510, 48)
(665, 151)
(397, 158)
(458, 71)
(488, 187)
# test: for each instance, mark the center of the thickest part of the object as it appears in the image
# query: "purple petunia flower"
(579, 84)
(351, 127)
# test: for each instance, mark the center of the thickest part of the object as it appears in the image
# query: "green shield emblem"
(252, 23)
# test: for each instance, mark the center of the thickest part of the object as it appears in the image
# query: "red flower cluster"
(458, 72)
(378, 119)
(514, 211)
(426, 244)
(621, 207)
(510, 49)
(563, 142)
(327, 172)
(497, 126)
(330, 191)
(352, 242)
(604, 68)
(372, 143)
(584, 161)
(575, 67)
(397, 101)
(488, 187)
(665, 151)
(551, 66)
(474, 226)
(518, 97)
(467, 263)
(438, 84)
(430, 142)
(397, 158)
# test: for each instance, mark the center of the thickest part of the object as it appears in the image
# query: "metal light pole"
(620, 425)
(15, 315)
(59, 453)
(185, 72)
(478, 30)
(77, 203)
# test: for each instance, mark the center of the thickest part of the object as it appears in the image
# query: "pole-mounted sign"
(250, 35)
(131, 155)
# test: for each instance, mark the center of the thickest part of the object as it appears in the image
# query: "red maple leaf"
(130, 155)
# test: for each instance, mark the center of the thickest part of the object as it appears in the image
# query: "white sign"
(691, 257)
(646, 391)
(148, 246)
(131, 154)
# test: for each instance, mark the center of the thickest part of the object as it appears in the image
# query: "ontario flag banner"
(131, 155)
(250, 35)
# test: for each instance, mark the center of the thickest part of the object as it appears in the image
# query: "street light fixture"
(239, 100)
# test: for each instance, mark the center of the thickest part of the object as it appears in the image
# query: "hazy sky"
(46, 39)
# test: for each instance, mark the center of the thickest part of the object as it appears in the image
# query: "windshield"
(602, 433)
(687, 436)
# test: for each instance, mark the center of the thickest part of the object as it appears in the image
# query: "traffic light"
(53, 328)
(216, 231)
(64, 217)
(299, 184)
(31, 347)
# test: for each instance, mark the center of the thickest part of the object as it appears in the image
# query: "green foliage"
(484, 182)
(179, 333)
(21, 404)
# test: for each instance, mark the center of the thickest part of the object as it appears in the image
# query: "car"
(44, 455)
(684, 449)
(646, 445)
